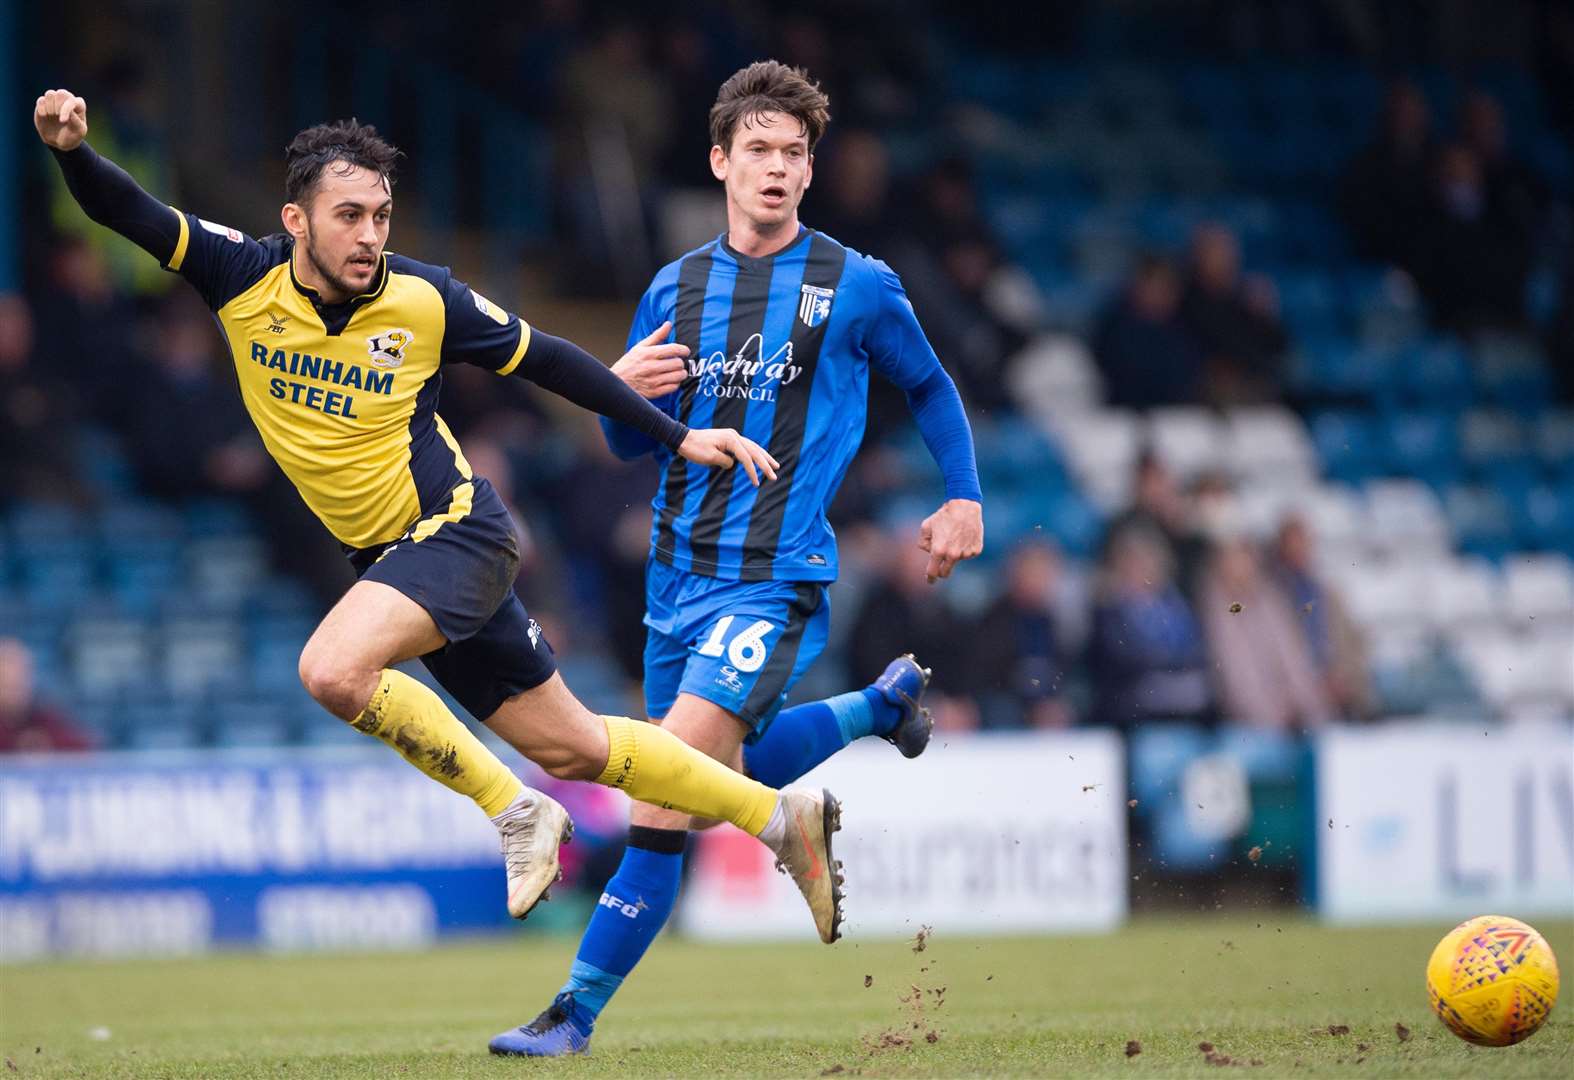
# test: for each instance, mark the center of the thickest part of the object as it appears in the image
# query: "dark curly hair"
(317, 148)
(769, 86)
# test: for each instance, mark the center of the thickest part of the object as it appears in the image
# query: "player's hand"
(655, 366)
(725, 447)
(61, 119)
(950, 534)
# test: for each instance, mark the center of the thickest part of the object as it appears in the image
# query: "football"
(1492, 980)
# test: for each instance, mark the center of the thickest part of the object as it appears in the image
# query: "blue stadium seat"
(1544, 519)
(1482, 521)
(164, 725)
(1349, 445)
(1422, 444)
(256, 722)
(1435, 372)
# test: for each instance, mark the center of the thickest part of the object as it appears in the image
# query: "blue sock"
(631, 912)
(805, 735)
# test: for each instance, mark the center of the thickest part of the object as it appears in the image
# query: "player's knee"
(334, 685)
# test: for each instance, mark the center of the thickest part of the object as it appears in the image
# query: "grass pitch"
(1274, 990)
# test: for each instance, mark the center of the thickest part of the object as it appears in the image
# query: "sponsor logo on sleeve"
(232, 235)
(489, 309)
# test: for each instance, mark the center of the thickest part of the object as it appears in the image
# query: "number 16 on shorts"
(743, 645)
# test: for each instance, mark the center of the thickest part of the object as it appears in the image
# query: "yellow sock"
(414, 721)
(657, 767)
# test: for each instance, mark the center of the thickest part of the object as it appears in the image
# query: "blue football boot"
(903, 684)
(562, 1029)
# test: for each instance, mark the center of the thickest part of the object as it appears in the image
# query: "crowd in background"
(1177, 616)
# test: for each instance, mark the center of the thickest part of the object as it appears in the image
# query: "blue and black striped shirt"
(780, 348)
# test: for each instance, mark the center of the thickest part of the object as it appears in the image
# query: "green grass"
(1019, 1007)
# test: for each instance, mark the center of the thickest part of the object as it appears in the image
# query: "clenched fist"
(61, 119)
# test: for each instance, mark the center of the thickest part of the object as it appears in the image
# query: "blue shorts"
(740, 644)
(463, 575)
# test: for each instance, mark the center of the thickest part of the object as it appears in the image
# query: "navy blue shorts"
(460, 565)
(739, 644)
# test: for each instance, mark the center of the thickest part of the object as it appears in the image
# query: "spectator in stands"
(1265, 673)
(1145, 650)
(1235, 320)
(1470, 264)
(852, 191)
(1015, 664)
(614, 126)
(1336, 644)
(27, 724)
(1162, 511)
(1384, 188)
(189, 437)
(901, 613)
(188, 432)
(979, 309)
(1144, 351)
(91, 330)
(1515, 194)
(35, 416)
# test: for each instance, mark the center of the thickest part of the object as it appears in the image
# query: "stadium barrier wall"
(995, 834)
(120, 854)
(1445, 821)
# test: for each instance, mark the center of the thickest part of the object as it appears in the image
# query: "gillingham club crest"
(814, 305)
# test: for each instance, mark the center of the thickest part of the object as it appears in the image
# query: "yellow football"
(1492, 980)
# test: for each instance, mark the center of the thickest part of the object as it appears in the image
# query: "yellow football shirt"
(345, 395)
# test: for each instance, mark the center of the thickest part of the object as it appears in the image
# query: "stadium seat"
(1404, 516)
(163, 725)
(1544, 519)
(1422, 445)
(225, 569)
(1539, 589)
(1461, 593)
(1349, 445)
(253, 723)
(1055, 374)
(1435, 373)
(1101, 448)
(201, 654)
(1512, 372)
(1554, 437)
(1189, 440)
(1386, 594)
(108, 655)
(1481, 519)
(1336, 513)
(1489, 437)
(1270, 443)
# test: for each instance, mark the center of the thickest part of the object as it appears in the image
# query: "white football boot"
(805, 853)
(532, 828)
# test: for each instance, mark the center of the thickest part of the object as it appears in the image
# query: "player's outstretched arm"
(722, 447)
(106, 193)
(653, 368)
(569, 371)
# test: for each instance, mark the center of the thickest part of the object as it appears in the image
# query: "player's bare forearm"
(952, 534)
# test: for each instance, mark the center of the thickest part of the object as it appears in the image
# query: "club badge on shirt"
(387, 348)
(814, 305)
